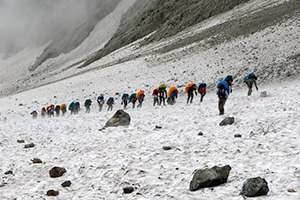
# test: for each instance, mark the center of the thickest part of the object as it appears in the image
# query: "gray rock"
(66, 184)
(255, 187)
(120, 118)
(209, 177)
(8, 172)
(227, 121)
(31, 145)
(128, 190)
(263, 94)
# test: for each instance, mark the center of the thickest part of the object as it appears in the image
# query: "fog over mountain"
(32, 23)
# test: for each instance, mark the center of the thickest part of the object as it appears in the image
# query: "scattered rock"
(52, 193)
(237, 135)
(128, 190)
(227, 121)
(37, 160)
(120, 118)
(263, 94)
(66, 184)
(200, 133)
(20, 104)
(253, 187)
(158, 127)
(57, 172)
(209, 177)
(31, 145)
(291, 190)
(8, 172)
(167, 148)
(20, 141)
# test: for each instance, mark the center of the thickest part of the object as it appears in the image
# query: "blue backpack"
(132, 96)
(87, 102)
(71, 106)
(125, 96)
(109, 100)
(251, 75)
(225, 84)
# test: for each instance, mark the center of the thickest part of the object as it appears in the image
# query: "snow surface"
(100, 163)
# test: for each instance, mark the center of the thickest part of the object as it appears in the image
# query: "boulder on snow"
(263, 94)
(227, 121)
(209, 177)
(253, 187)
(30, 145)
(57, 172)
(120, 118)
(66, 184)
(36, 160)
(52, 193)
(128, 190)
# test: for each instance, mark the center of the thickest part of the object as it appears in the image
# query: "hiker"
(133, 99)
(71, 107)
(189, 89)
(57, 110)
(229, 80)
(87, 104)
(202, 90)
(100, 101)
(125, 98)
(162, 93)
(34, 114)
(172, 94)
(110, 102)
(63, 109)
(223, 93)
(50, 110)
(155, 96)
(140, 97)
(76, 107)
(43, 112)
(250, 80)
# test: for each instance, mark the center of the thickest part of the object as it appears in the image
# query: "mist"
(32, 23)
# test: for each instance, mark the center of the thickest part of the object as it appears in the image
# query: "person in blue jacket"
(174, 95)
(250, 80)
(125, 98)
(110, 101)
(133, 99)
(87, 104)
(224, 89)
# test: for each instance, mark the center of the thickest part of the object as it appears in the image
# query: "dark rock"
(37, 160)
(128, 190)
(200, 133)
(253, 187)
(57, 172)
(31, 145)
(237, 135)
(158, 127)
(167, 148)
(209, 177)
(52, 193)
(227, 121)
(66, 184)
(120, 118)
(20, 141)
(8, 172)
(291, 190)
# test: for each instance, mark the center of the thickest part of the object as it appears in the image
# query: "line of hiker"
(160, 97)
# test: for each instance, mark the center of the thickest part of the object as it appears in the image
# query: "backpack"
(87, 102)
(202, 87)
(109, 100)
(100, 97)
(155, 92)
(188, 86)
(251, 75)
(132, 96)
(125, 96)
(225, 84)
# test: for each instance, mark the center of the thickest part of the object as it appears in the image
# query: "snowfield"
(101, 163)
